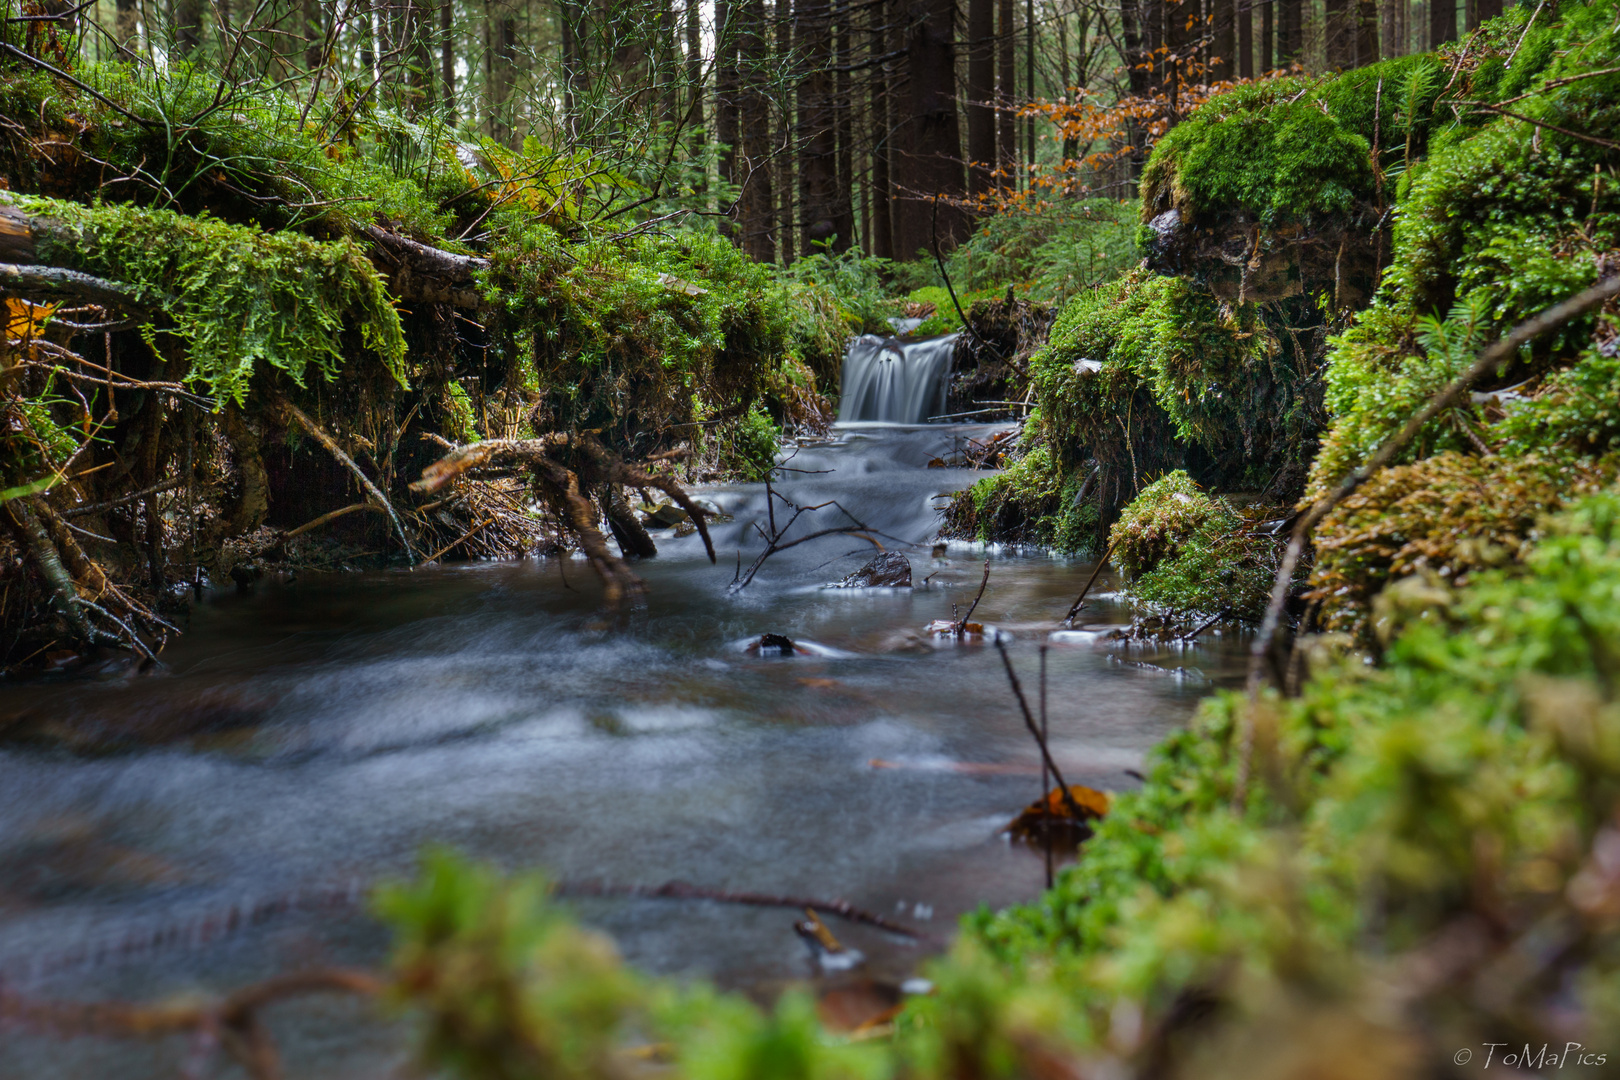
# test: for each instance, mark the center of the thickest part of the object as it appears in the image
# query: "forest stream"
(355, 719)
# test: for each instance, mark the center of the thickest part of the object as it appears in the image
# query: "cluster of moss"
(237, 297)
(1500, 222)
(1468, 773)
(1032, 502)
(1187, 553)
(638, 338)
(1301, 149)
(1148, 374)
(252, 210)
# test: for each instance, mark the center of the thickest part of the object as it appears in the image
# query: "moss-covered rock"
(1034, 502)
(1185, 552)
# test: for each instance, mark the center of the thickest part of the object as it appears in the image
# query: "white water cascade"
(902, 382)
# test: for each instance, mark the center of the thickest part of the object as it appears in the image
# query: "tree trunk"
(1134, 37)
(1006, 92)
(1223, 43)
(187, 26)
(1290, 31)
(882, 232)
(697, 134)
(447, 56)
(1180, 38)
(126, 26)
(501, 71)
(314, 35)
(1029, 85)
(817, 140)
(1486, 9)
(419, 57)
(928, 162)
(727, 81)
(1366, 32)
(1339, 34)
(1245, 36)
(843, 199)
(981, 93)
(1442, 22)
(758, 206)
(1268, 36)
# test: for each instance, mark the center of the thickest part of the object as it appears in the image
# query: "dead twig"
(1029, 722)
(681, 890)
(961, 627)
(347, 462)
(331, 516)
(1080, 600)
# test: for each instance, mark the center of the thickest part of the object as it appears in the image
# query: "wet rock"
(889, 570)
(772, 645)
(664, 515)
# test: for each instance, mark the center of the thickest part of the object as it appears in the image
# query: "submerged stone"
(890, 569)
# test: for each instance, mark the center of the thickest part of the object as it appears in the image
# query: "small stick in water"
(1046, 819)
(961, 627)
(1081, 599)
(1029, 722)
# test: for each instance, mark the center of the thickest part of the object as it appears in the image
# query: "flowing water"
(351, 720)
(895, 380)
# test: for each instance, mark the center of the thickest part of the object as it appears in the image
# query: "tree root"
(347, 462)
(565, 490)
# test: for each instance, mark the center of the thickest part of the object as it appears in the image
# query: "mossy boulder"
(1184, 551)
(1283, 187)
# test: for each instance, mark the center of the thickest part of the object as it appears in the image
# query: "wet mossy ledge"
(300, 312)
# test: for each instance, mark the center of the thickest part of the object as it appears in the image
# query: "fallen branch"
(429, 274)
(134, 496)
(33, 281)
(1029, 722)
(331, 516)
(1223, 613)
(232, 1020)
(773, 538)
(681, 890)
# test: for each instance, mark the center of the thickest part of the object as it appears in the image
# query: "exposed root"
(567, 490)
(347, 462)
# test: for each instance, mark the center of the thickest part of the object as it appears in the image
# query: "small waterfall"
(902, 382)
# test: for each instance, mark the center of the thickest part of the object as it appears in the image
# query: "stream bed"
(351, 720)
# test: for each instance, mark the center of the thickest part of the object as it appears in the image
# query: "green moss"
(1265, 149)
(1482, 748)
(1185, 552)
(238, 297)
(1033, 502)
(1300, 149)
(1158, 360)
(1502, 222)
(944, 320)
